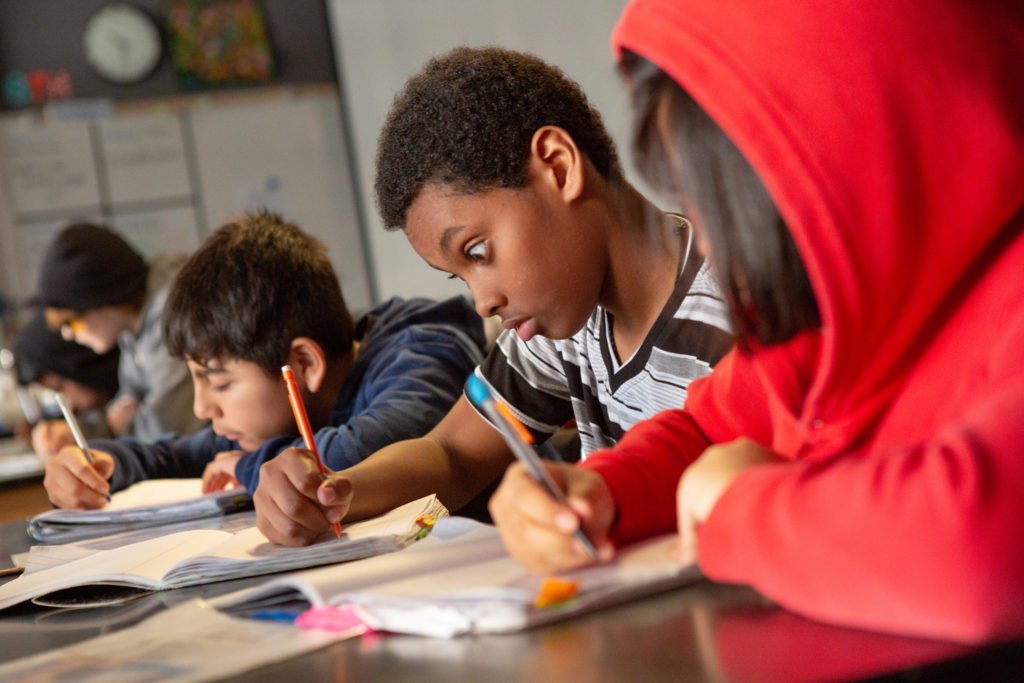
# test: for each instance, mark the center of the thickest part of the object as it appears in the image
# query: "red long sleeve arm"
(918, 538)
(643, 471)
(644, 468)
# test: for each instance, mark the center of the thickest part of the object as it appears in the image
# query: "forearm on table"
(411, 469)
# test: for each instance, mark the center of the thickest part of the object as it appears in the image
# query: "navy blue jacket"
(414, 357)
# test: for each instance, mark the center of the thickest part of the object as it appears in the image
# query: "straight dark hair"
(253, 286)
(751, 248)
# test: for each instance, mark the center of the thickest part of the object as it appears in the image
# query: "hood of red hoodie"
(892, 145)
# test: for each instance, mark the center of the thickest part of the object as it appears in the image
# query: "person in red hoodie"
(855, 170)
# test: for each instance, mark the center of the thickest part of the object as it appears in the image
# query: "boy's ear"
(308, 363)
(559, 159)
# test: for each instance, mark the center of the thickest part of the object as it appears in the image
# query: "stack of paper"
(461, 580)
(153, 502)
(203, 556)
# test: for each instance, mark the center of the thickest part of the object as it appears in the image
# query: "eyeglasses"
(71, 327)
(66, 322)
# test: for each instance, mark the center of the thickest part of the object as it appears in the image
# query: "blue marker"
(275, 615)
(518, 439)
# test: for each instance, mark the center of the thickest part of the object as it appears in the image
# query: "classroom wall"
(377, 45)
(166, 165)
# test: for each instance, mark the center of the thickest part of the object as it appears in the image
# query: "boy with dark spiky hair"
(259, 294)
(500, 173)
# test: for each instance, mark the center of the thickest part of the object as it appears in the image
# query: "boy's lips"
(524, 327)
(233, 436)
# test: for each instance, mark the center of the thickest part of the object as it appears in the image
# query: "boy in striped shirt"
(500, 173)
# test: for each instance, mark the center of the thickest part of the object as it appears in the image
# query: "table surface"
(17, 461)
(703, 632)
(21, 481)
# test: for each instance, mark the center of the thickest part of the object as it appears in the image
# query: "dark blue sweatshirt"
(414, 357)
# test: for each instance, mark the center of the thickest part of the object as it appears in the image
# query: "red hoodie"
(891, 137)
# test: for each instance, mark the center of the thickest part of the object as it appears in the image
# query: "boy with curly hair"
(500, 173)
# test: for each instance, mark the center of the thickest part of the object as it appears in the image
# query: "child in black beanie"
(96, 290)
(88, 380)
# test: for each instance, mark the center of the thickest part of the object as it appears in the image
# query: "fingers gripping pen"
(76, 431)
(302, 420)
(519, 440)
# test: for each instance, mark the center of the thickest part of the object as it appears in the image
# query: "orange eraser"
(554, 591)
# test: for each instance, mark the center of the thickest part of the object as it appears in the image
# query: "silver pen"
(76, 431)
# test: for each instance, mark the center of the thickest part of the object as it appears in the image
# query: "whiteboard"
(159, 230)
(164, 176)
(287, 155)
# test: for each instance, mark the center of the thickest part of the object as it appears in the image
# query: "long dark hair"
(753, 253)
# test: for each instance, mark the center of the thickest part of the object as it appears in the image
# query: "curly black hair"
(467, 119)
(252, 287)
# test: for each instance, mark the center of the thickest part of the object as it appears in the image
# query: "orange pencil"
(302, 419)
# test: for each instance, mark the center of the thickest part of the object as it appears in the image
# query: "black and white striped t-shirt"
(549, 382)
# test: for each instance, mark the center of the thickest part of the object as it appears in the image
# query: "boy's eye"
(453, 276)
(478, 252)
(221, 387)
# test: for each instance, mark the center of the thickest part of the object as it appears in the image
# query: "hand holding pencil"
(76, 478)
(529, 507)
(302, 420)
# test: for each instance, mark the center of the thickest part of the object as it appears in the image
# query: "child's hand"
(72, 483)
(539, 531)
(294, 504)
(220, 472)
(49, 436)
(704, 482)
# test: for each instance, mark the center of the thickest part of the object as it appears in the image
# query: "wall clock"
(122, 43)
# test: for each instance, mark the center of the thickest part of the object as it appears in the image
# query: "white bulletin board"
(47, 168)
(167, 174)
(144, 156)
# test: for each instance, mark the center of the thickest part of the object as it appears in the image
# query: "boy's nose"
(203, 407)
(488, 302)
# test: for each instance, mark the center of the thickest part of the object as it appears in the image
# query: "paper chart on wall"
(145, 160)
(48, 168)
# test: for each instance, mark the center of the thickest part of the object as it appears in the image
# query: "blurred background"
(246, 103)
(163, 118)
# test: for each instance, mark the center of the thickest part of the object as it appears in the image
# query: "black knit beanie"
(88, 266)
(39, 349)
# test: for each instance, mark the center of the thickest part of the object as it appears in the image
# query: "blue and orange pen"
(519, 439)
(302, 420)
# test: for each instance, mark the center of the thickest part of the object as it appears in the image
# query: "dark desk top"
(704, 632)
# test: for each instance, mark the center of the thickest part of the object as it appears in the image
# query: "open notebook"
(461, 580)
(152, 502)
(204, 555)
